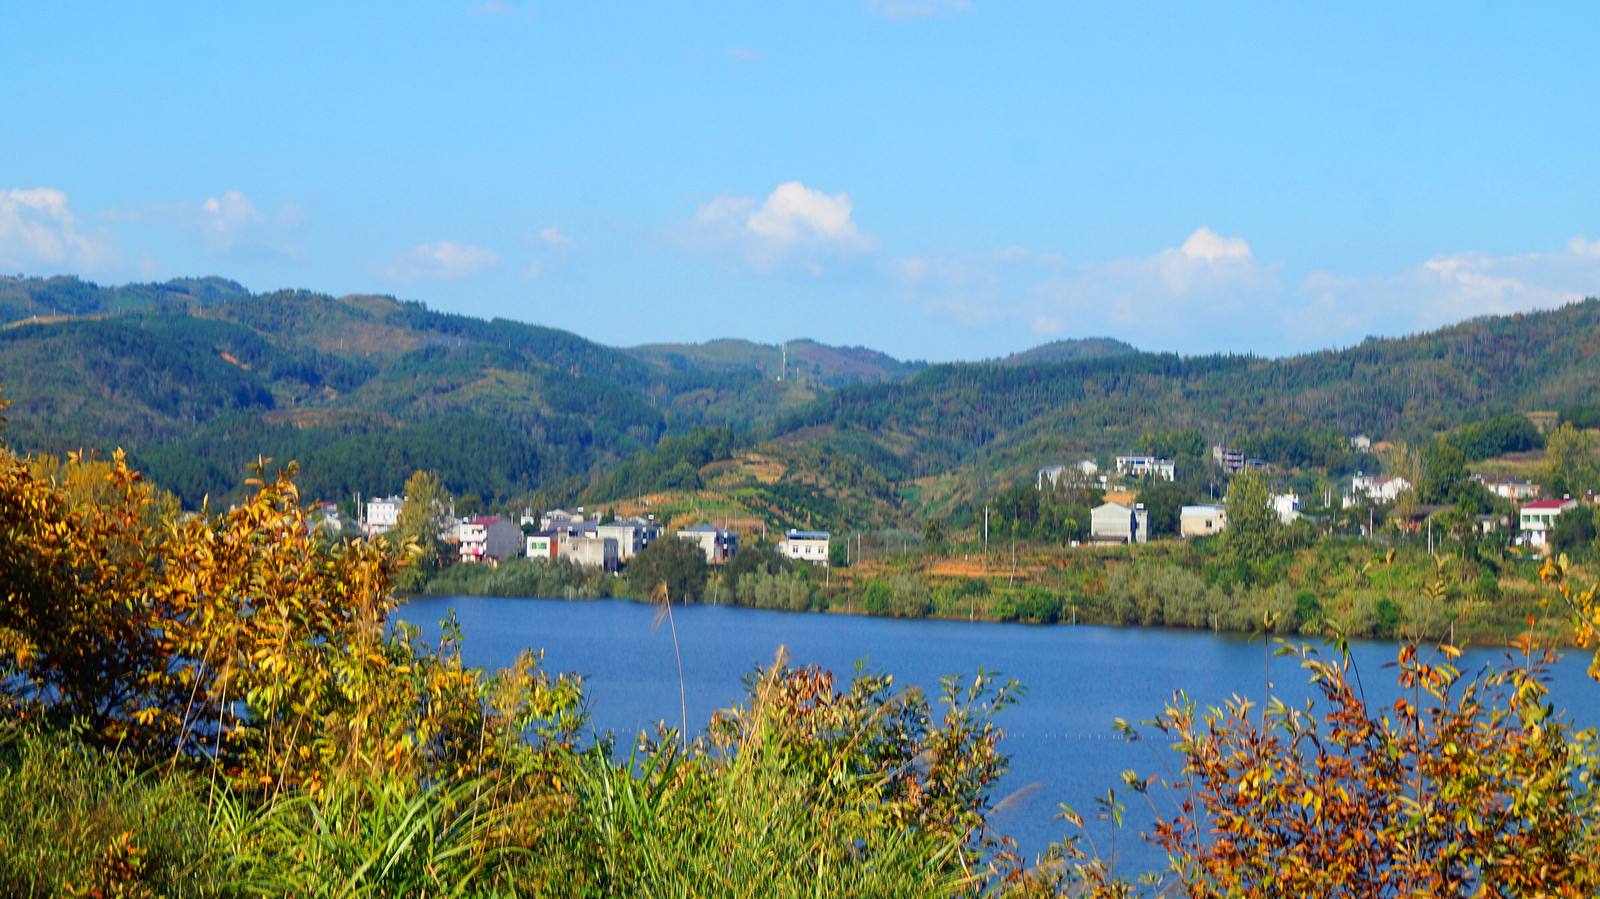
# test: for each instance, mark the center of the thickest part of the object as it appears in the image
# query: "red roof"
(1548, 504)
(485, 519)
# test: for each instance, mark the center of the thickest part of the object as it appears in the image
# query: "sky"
(938, 179)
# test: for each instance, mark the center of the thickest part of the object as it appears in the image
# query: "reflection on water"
(1078, 679)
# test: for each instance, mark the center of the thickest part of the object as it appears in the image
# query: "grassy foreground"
(221, 705)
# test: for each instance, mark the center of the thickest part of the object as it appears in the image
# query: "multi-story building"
(1147, 466)
(382, 515)
(807, 546)
(717, 544)
(1116, 522)
(491, 537)
(1538, 519)
(631, 535)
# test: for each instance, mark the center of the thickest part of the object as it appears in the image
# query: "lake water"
(1079, 680)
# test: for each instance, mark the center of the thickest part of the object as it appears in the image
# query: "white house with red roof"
(1538, 519)
(491, 537)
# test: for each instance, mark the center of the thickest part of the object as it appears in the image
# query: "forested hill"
(806, 360)
(197, 377)
(997, 416)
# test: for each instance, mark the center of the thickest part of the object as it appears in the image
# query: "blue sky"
(940, 179)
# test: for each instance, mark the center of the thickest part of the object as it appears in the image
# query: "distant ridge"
(818, 363)
(1069, 351)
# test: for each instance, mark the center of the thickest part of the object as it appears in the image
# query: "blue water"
(1060, 739)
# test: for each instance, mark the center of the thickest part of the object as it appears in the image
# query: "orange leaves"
(1448, 796)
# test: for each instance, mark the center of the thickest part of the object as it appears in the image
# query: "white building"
(1287, 505)
(382, 515)
(491, 537)
(1115, 522)
(1142, 466)
(1538, 519)
(1201, 521)
(1516, 491)
(1361, 443)
(1088, 468)
(1378, 490)
(718, 545)
(807, 546)
(631, 535)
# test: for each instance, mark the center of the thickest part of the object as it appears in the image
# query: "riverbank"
(1348, 586)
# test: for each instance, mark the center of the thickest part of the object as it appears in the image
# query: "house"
(1376, 489)
(1144, 466)
(326, 518)
(1201, 521)
(382, 515)
(1287, 505)
(1114, 522)
(1361, 443)
(807, 546)
(544, 545)
(1516, 491)
(589, 550)
(1231, 460)
(1087, 468)
(718, 545)
(562, 520)
(585, 549)
(1538, 519)
(631, 535)
(491, 537)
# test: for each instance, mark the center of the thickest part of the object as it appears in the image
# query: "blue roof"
(807, 535)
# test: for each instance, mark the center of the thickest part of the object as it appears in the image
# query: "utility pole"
(985, 532)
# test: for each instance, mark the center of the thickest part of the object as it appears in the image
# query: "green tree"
(1164, 500)
(1569, 462)
(424, 515)
(1254, 530)
(673, 561)
(1444, 469)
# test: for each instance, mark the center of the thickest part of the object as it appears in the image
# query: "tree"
(424, 515)
(1253, 531)
(1570, 463)
(673, 561)
(1444, 468)
(1164, 500)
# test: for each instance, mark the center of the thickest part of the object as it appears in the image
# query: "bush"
(790, 592)
(1039, 605)
(673, 561)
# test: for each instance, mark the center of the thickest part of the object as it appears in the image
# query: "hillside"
(198, 377)
(1069, 350)
(808, 361)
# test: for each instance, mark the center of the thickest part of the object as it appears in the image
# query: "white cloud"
(1446, 289)
(446, 260)
(226, 225)
(553, 238)
(1210, 293)
(745, 55)
(38, 229)
(795, 228)
(493, 8)
(904, 10)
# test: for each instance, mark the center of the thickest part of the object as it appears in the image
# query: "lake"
(1079, 680)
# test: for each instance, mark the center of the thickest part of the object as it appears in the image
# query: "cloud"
(446, 260)
(553, 238)
(905, 10)
(1172, 298)
(493, 8)
(795, 229)
(745, 55)
(229, 225)
(1210, 293)
(1447, 288)
(38, 229)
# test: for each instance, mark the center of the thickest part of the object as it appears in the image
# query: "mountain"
(1068, 351)
(197, 377)
(807, 361)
